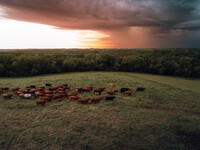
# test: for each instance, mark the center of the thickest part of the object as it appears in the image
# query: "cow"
(64, 94)
(40, 88)
(128, 92)
(65, 84)
(48, 92)
(59, 99)
(66, 88)
(32, 91)
(110, 98)
(87, 89)
(96, 100)
(48, 95)
(83, 100)
(47, 98)
(74, 94)
(47, 84)
(21, 95)
(101, 88)
(18, 92)
(32, 86)
(57, 96)
(53, 88)
(41, 102)
(97, 92)
(110, 92)
(4, 88)
(28, 96)
(112, 85)
(7, 96)
(74, 97)
(54, 91)
(79, 89)
(28, 88)
(141, 89)
(37, 94)
(122, 90)
(61, 92)
(15, 89)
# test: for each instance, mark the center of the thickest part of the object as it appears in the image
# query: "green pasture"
(165, 116)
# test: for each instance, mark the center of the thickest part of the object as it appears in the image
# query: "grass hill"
(165, 116)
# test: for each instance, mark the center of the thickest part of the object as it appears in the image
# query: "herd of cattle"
(49, 93)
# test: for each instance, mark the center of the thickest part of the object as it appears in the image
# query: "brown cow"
(40, 88)
(101, 88)
(83, 100)
(64, 94)
(32, 90)
(48, 95)
(47, 98)
(41, 102)
(112, 85)
(72, 94)
(54, 91)
(18, 92)
(57, 96)
(53, 88)
(128, 92)
(21, 95)
(74, 97)
(87, 89)
(48, 92)
(7, 96)
(37, 94)
(15, 89)
(111, 92)
(96, 100)
(59, 99)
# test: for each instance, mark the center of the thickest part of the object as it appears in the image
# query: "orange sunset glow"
(19, 34)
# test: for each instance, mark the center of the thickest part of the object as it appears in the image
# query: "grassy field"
(165, 116)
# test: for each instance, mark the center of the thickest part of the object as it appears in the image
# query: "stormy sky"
(129, 23)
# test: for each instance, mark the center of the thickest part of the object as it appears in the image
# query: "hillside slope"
(165, 116)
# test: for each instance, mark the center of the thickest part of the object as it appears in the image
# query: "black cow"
(140, 89)
(32, 86)
(47, 84)
(110, 98)
(122, 90)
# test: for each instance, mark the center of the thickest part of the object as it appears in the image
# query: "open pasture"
(164, 116)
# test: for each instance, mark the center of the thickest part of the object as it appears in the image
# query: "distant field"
(165, 116)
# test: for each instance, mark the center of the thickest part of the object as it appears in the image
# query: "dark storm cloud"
(106, 14)
(156, 16)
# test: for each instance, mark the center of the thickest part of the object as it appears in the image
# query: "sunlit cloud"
(18, 34)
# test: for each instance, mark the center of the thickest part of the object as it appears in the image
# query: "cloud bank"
(130, 23)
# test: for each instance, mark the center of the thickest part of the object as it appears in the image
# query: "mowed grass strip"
(165, 116)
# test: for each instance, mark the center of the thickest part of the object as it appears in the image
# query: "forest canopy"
(172, 62)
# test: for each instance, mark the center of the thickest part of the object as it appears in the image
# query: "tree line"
(176, 62)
